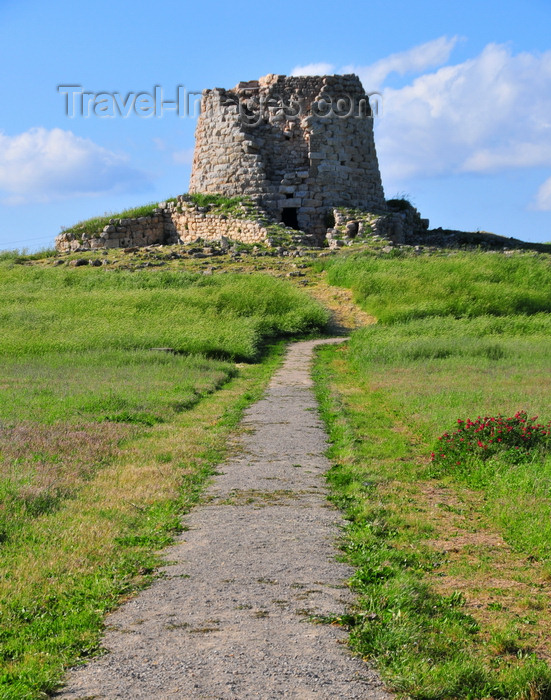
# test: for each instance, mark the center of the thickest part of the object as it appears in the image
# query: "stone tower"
(299, 146)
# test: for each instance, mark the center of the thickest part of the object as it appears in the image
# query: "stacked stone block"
(172, 223)
(118, 233)
(187, 222)
(293, 143)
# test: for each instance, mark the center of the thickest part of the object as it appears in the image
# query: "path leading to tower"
(232, 616)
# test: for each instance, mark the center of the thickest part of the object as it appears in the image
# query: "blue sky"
(465, 130)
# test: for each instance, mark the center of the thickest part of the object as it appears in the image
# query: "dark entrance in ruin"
(289, 217)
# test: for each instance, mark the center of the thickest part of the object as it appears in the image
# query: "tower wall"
(293, 143)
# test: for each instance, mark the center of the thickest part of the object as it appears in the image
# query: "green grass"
(105, 441)
(96, 385)
(64, 569)
(51, 311)
(457, 337)
(23, 255)
(401, 287)
(425, 643)
(218, 204)
(434, 373)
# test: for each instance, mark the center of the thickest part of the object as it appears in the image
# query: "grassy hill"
(118, 390)
(105, 441)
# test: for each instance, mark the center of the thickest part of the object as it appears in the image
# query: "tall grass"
(404, 287)
(482, 349)
(436, 371)
(66, 565)
(78, 349)
(50, 310)
(24, 255)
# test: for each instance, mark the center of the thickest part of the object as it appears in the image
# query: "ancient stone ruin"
(299, 145)
(297, 152)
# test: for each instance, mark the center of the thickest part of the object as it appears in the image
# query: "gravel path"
(230, 617)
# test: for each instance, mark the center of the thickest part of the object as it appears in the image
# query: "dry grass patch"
(346, 315)
(504, 591)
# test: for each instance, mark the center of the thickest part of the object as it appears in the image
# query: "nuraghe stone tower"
(299, 146)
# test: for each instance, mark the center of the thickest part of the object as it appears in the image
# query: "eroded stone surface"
(301, 145)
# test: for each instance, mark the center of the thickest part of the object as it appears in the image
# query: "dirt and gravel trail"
(231, 618)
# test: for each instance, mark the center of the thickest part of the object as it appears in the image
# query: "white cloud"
(543, 197)
(416, 60)
(44, 165)
(521, 154)
(314, 69)
(487, 114)
(159, 143)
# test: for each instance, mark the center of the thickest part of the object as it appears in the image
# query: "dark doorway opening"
(289, 217)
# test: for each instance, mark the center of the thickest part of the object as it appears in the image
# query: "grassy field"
(105, 441)
(454, 560)
(400, 286)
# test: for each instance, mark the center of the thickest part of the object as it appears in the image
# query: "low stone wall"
(119, 233)
(172, 222)
(185, 223)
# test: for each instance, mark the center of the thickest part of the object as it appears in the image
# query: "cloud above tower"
(487, 114)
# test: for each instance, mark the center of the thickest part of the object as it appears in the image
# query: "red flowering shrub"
(513, 438)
